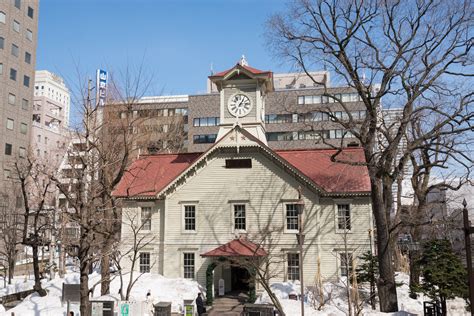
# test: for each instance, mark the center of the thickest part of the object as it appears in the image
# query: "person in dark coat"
(200, 305)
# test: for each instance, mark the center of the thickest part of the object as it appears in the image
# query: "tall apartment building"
(18, 38)
(50, 134)
(294, 115)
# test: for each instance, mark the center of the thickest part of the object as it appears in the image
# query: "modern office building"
(295, 115)
(18, 38)
(50, 134)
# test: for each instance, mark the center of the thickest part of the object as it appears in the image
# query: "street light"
(300, 240)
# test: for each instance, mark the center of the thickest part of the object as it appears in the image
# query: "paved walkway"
(228, 305)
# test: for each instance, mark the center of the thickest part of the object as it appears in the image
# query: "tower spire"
(243, 61)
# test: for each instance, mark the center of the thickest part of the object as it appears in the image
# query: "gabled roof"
(265, 77)
(333, 177)
(251, 70)
(240, 247)
(150, 176)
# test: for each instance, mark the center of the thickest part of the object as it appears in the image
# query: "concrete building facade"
(18, 38)
(295, 114)
(50, 134)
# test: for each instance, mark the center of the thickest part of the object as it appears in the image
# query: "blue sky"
(178, 40)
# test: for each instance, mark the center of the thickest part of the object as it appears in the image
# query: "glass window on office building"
(27, 58)
(13, 73)
(30, 12)
(15, 50)
(16, 26)
(29, 35)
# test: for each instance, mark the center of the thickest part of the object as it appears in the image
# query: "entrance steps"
(228, 305)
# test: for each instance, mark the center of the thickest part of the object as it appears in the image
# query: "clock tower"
(243, 91)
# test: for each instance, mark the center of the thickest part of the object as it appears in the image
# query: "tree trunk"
(11, 269)
(105, 270)
(62, 259)
(36, 270)
(84, 286)
(386, 282)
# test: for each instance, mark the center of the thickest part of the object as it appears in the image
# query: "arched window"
(3, 17)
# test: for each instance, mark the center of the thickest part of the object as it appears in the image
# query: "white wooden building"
(242, 196)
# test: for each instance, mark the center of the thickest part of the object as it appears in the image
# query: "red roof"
(149, 174)
(237, 248)
(248, 68)
(333, 177)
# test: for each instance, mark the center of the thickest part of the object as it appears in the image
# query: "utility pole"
(468, 230)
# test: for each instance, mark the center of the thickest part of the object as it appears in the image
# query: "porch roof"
(241, 247)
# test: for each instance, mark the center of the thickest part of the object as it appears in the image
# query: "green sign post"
(124, 309)
(189, 310)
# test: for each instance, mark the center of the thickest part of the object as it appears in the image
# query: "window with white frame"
(11, 99)
(346, 263)
(146, 218)
(22, 152)
(188, 265)
(10, 123)
(29, 35)
(23, 128)
(15, 50)
(16, 26)
(293, 263)
(291, 214)
(343, 217)
(144, 262)
(190, 217)
(3, 17)
(239, 217)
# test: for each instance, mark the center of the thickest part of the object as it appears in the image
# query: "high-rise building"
(18, 38)
(50, 134)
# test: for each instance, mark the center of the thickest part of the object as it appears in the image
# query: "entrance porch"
(232, 269)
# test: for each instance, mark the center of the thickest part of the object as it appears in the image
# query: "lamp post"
(300, 239)
(468, 230)
(412, 247)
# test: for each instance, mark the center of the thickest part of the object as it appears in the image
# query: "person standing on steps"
(200, 305)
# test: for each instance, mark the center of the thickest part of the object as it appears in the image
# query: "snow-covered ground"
(161, 289)
(338, 303)
(176, 290)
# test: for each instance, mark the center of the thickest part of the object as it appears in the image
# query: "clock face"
(239, 105)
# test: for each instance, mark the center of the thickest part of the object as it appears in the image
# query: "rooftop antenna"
(212, 68)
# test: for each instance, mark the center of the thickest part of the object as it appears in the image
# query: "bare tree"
(35, 180)
(10, 229)
(138, 239)
(408, 53)
(101, 149)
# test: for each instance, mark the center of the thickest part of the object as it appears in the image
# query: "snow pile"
(19, 284)
(162, 290)
(337, 305)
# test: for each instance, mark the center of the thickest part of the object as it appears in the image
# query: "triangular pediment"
(239, 76)
(239, 139)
